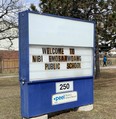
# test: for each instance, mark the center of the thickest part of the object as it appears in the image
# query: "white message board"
(45, 64)
(47, 30)
(59, 48)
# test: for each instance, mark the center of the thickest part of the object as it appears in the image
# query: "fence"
(9, 65)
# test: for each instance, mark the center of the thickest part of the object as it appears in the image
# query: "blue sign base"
(37, 96)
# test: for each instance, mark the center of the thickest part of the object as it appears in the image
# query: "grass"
(8, 74)
(104, 95)
(9, 99)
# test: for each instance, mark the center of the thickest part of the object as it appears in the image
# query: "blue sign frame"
(36, 97)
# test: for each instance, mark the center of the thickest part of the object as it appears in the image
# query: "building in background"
(8, 61)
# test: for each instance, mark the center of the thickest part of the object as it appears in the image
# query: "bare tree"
(9, 20)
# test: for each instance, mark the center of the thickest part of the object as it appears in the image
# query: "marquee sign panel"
(59, 62)
(60, 32)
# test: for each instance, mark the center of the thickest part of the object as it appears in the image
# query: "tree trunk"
(97, 63)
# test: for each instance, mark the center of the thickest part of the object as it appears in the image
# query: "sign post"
(56, 63)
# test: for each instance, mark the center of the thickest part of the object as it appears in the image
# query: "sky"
(32, 1)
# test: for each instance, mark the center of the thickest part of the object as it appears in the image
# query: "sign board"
(56, 61)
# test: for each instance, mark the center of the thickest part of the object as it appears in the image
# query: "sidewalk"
(108, 67)
(11, 76)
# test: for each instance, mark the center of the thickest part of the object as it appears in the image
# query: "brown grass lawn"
(9, 99)
(104, 96)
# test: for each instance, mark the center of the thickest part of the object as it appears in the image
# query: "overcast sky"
(32, 1)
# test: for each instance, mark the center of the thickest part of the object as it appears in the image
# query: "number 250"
(64, 86)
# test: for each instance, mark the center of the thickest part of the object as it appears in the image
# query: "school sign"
(56, 63)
